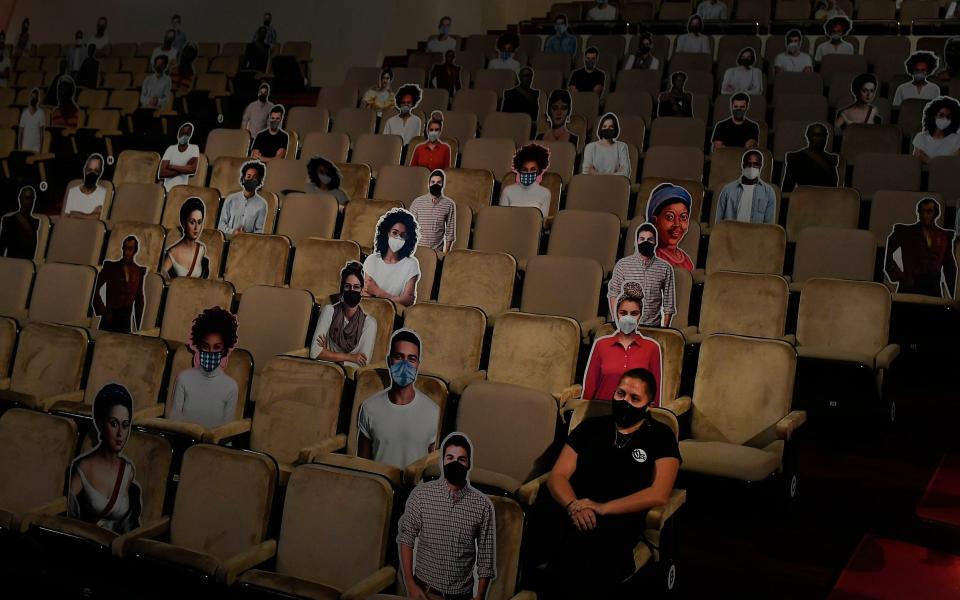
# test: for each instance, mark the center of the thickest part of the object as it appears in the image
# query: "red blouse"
(435, 158)
(609, 360)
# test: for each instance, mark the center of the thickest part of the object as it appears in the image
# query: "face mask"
(836, 37)
(90, 179)
(158, 70)
(751, 173)
(560, 29)
(435, 190)
(210, 361)
(626, 414)
(793, 47)
(403, 373)
(627, 324)
(589, 64)
(745, 62)
(643, 50)
(433, 135)
(739, 113)
(324, 178)
(444, 30)
(646, 248)
(455, 473)
(528, 179)
(274, 125)
(262, 97)
(266, 22)
(351, 298)
(396, 244)
(251, 185)
(33, 102)
(183, 140)
(608, 134)
(506, 55)
(405, 109)
(942, 124)
(918, 77)
(695, 29)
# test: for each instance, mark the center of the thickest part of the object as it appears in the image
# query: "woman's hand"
(584, 519)
(359, 357)
(586, 503)
(322, 342)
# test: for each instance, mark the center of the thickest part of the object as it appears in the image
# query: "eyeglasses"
(352, 288)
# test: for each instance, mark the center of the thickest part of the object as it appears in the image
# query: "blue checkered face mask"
(210, 361)
(528, 179)
(403, 373)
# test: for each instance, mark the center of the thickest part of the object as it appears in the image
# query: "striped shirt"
(437, 220)
(452, 530)
(656, 278)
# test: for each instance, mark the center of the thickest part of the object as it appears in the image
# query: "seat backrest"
(479, 102)
(298, 403)
(186, 298)
(910, 118)
(332, 146)
(746, 247)
(512, 126)
(452, 337)
(461, 125)
(493, 154)
(138, 202)
(481, 279)
(673, 162)
(472, 187)
(307, 215)
(355, 180)
(285, 330)
(361, 217)
(35, 452)
(317, 263)
(943, 176)
(361, 77)
(62, 293)
(354, 121)
(225, 177)
(859, 138)
(873, 172)
(571, 227)
(744, 304)
(831, 207)
(50, 360)
(547, 289)
(835, 253)
(235, 518)
(136, 362)
(76, 241)
(537, 351)
(17, 276)
(136, 166)
(890, 207)
(152, 455)
(307, 119)
(513, 425)
(287, 174)
(744, 385)
(152, 242)
(563, 156)
(377, 150)
(849, 316)
(179, 194)
(678, 131)
(256, 259)
(395, 182)
(606, 193)
(511, 229)
(497, 80)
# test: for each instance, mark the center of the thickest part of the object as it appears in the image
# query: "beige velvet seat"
(135, 166)
(481, 279)
(512, 229)
(62, 293)
(471, 187)
(215, 536)
(478, 102)
(395, 182)
(186, 298)
(333, 98)
(746, 248)
(547, 290)
(333, 146)
(354, 122)
(17, 276)
(48, 366)
(452, 337)
(286, 175)
(678, 131)
(750, 304)
(860, 138)
(563, 156)
(151, 456)
(360, 220)
(498, 80)
(354, 179)
(152, 243)
(429, 259)
(874, 171)
(377, 150)
(35, 453)
(491, 154)
(76, 241)
(333, 538)
(817, 206)
(136, 362)
(833, 253)
(138, 202)
(307, 119)
(385, 312)
(741, 417)
(572, 227)
(8, 344)
(232, 143)
(604, 193)
(273, 320)
(225, 177)
(317, 263)
(305, 216)
(255, 259)
(512, 126)
(673, 162)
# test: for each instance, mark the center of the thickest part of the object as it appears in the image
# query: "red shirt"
(609, 360)
(685, 262)
(436, 158)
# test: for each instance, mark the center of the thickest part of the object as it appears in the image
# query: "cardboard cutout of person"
(669, 208)
(246, 211)
(864, 88)
(920, 66)
(325, 178)
(836, 28)
(205, 394)
(187, 257)
(271, 142)
(256, 114)
(118, 297)
(446, 75)
(380, 97)
(437, 214)
(507, 44)
(433, 153)
(590, 77)
(523, 97)
(32, 122)
(654, 275)
(607, 155)
(406, 124)
(85, 201)
(919, 257)
(744, 77)
(391, 270)
(345, 333)
(675, 102)
(179, 161)
(693, 41)
(19, 229)
(399, 425)
(559, 110)
(66, 113)
(737, 130)
(748, 199)
(613, 355)
(793, 59)
(939, 137)
(103, 488)
(812, 164)
(529, 164)
(182, 72)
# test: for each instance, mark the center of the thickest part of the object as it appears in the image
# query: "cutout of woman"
(205, 394)
(939, 137)
(345, 333)
(188, 256)
(380, 97)
(669, 210)
(559, 109)
(324, 176)
(103, 487)
(392, 271)
(864, 89)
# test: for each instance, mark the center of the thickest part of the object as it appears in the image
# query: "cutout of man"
(246, 211)
(32, 123)
(18, 230)
(588, 78)
(271, 142)
(256, 114)
(748, 199)
(736, 131)
(562, 41)
(836, 28)
(712, 10)
(155, 89)
(443, 41)
(453, 527)
(436, 214)
(655, 276)
(85, 201)
(101, 39)
(920, 67)
(811, 165)
(399, 425)
(523, 97)
(919, 257)
(179, 162)
(793, 59)
(675, 102)
(120, 306)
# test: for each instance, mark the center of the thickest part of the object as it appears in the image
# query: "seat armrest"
(689, 331)
(374, 583)
(4, 383)
(184, 428)
(525, 596)
(414, 471)
(226, 431)
(301, 352)
(886, 356)
(108, 133)
(699, 275)
(331, 444)
(658, 515)
(147, 532)
(527, 494)
(790, 338)
(46, 403)
(589, 327)
(229, 569)
(53, 507)
(678, 406)
(152, 332)
(40, 157)
(149, 412)
(119, 545)
(458, 384)
(790, 423)
(564, 396)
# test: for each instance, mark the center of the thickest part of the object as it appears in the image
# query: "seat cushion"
(730, 460)
(177, 555)
(88, 531)
(836, 354)
(286, 584)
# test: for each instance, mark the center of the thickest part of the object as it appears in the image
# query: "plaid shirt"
(656, 278)
(452, 530)
(437, 220)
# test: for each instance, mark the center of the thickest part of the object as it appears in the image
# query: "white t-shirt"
(712, 12)
(844, 47)
(499, 63)
(207, 399)
(31, 125)
(793, 64)
(408, 129)
(933, 147)
(736, 79)
(392, 278)
(606, 13)
(441, 46)
(400, 434)
(607, 159)
(171, 55)
(745, 209)
(364, 345)
(536, 196)
(179, 159)
(908, 91)
(694, 44)
(100, 42)
(77, 201)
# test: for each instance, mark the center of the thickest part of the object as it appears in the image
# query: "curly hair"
(933, 107)
(408, 89)
(859, 81)
(191, 204)
(110, 395)
(534, 152)
(214, 320)
(318, 161)
(631, 291)
(508, 38)
(387, 221)
(922, 57)
(842, 20)
(258, 166)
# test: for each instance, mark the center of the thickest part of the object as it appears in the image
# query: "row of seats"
(122, 50)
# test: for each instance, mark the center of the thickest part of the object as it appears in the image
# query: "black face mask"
(351, 298)
(33, 101)
(646, 248)
(746, 62)
(643, 50)
(90, 179)
(455, 473)
(608, 134)
(262, 97)
(626, 414)
(251, 185)
(436, 189)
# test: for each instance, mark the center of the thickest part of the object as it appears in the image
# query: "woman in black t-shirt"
(610, 472)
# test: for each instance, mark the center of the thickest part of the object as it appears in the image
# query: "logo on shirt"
(639, 455)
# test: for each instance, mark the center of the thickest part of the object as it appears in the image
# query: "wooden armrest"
(658, 515)
(331, 444)
(301, 352)
(56, 506)
(371, 584)
(229, 569)
(886, 356)
(414, 471)
(790, 423)
(226, 431)
(40, 157)
(528, 492)
(152, 332)
(119, 546)
(678, 406)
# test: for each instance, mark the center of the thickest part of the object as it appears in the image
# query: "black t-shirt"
(515, 101)
(585, 82)
(806, 168)
(605, 472)
(736, 136)
(268, 144)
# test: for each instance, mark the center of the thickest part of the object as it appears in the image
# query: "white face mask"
(627, 324)
(942, 123)
(793, 47)
(433, 135)
(396, 244)
(751, 172)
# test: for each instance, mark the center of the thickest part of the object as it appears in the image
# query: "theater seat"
(829, 207)
(304, 216)
(256, 259)
(547, 290)
(135, 166)
(317, 264)
(512, 229)
(833, 253)
(137, 202)
(17, 276)
(452, 338)
(77, 241)
(750, 304)
(470, 187)
(481, 279)
(48, 366)
(572, 227)
(746, 247)
(62, 293)
(285, 327)
(214, 536)
(360, 221)
(186, 298)
(152, 240)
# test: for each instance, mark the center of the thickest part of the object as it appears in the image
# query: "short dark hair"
(649, 381)
(332, 170)
(135, 241)
(560, 17)
(405, 335)
(163, 57)
(388, 220)
(278, 108)
(258, 166)
(933, 107)
(752, 151)
(460, 441)
(793, 33)
(740, 96)
(929, 200)
(648, 226)
(110, 395)
(591, 50)
(189, 205)
(437, 173)
(214, 320)
(352, 267)
(534, 152)
(838, 19)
